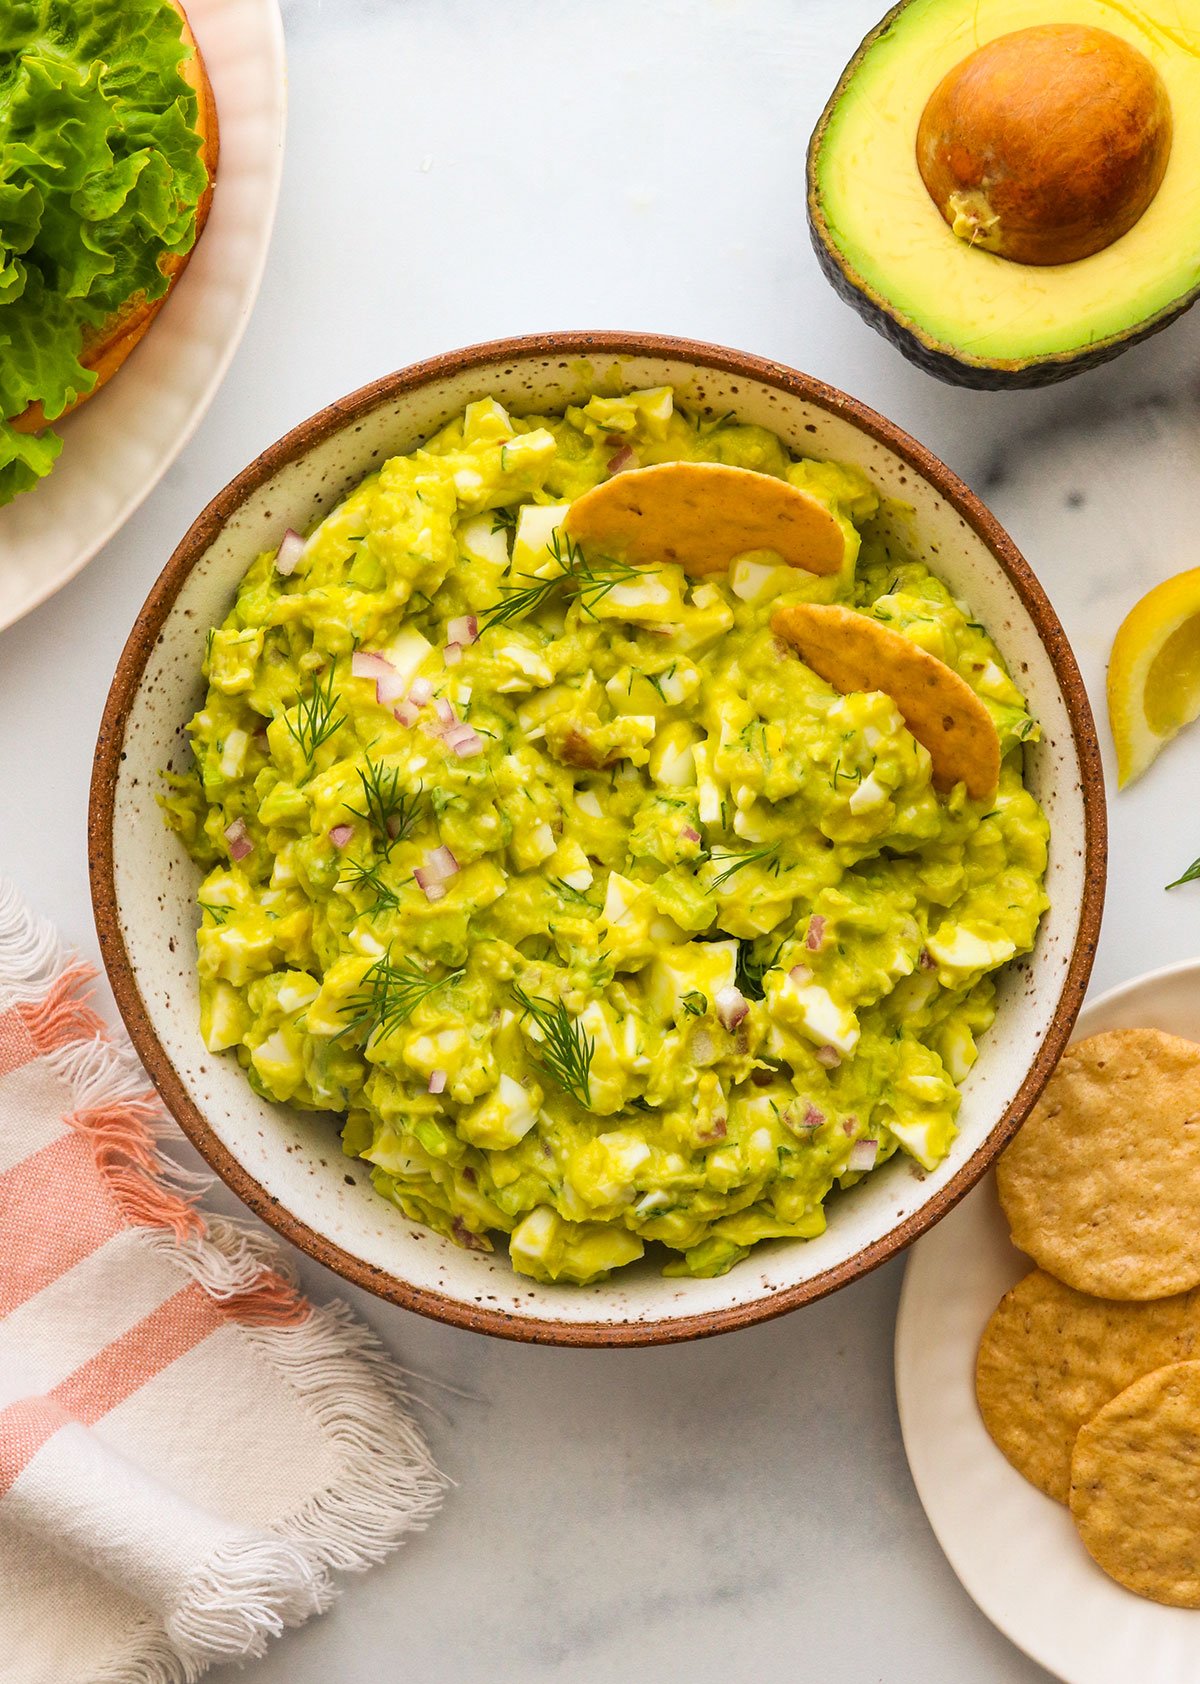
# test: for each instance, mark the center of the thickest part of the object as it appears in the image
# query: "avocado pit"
(1047, 144)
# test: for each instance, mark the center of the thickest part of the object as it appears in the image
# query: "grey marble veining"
(740, 1509)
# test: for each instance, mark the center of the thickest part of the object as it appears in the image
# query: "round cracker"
(1102, 1185)
(1135, 1486)
(702, 515)
(1050, 1357)
(853, 652)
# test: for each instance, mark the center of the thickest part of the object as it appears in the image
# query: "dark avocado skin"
(940, 360)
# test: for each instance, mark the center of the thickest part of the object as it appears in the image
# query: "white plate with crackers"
(1066, 1374)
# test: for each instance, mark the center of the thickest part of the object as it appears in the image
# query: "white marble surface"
(738, 1509)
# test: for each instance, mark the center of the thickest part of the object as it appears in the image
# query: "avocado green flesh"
(660, 806)
(875, 223)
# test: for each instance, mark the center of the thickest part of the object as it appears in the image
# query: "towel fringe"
(150, 1658)
(250, 1591)
(387, 1483)
(229, 1258)
(269, 1301)
(123, 1142)
(63, 1014)
(31, 953)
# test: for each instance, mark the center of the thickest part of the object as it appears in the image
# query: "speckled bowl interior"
(287, 1165)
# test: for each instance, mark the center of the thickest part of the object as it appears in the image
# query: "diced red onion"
(689, 834)
(618, 463)
(389, 684)
(466, 1237)
(850, 1125)
(394, 824)
(862, 1155)
(812, 1119)
(800, 975)
(420, 690)
(717, 1131)
(830, 1057)
(430, 887)
(452, 654)
(816, 932)
(365, 663)
(445, 713)
(407, 712)
(464, 628)
(465, 744)
(238, 838)
(731, 1005)
(341, 834)
(291, 548)
(389, 689)
(437, 1082)
(440, 863)
(927, 961)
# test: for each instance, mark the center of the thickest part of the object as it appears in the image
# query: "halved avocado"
(956, 308)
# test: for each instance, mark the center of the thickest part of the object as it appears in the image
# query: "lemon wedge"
(1154, 673)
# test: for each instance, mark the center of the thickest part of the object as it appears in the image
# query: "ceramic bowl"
(288, 1166)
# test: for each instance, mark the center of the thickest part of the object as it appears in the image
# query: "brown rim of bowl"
(128, 676)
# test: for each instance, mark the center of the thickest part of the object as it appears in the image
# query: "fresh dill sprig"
(360, 875)
(1189, 876)
(218, 914)
(389, 995)
(390, 811)
(317, 719)
(695, 1004)
(751, 969)
(504, 520)
(516, 601)
(738, 861)
(571, 894)
(209, 636)
(567, 1049)
(591, 582)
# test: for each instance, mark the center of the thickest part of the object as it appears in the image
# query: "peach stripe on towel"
(16, 1043)
(112, 1375)
(54, 1211)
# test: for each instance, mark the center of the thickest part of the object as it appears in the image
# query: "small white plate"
(1015, 1550)
(119, 445)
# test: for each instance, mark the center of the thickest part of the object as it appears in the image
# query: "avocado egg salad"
(598, 916)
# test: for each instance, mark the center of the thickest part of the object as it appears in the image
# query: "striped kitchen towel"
(187, 1446)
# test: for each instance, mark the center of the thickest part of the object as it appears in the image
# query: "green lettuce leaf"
(100, 176)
